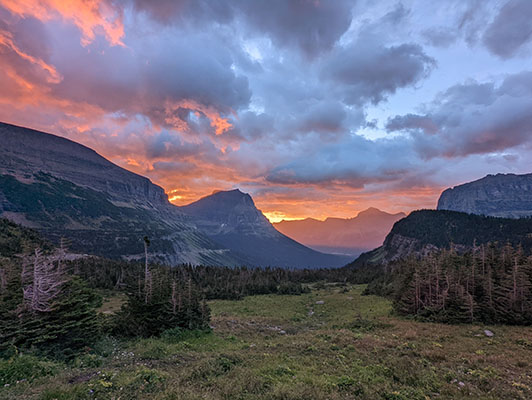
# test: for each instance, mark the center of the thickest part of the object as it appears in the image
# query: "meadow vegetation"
(331, 343)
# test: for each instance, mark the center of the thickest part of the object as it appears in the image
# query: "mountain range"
(62, 188)
(351, 236)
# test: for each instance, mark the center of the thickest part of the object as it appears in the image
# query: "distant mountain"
(425, 231)
(231, 219)
(501, 195)
(350, 236)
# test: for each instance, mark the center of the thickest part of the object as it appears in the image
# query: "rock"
(501, 195)
(461, 384)
(282, 332)
(489, 333)
(320, 302)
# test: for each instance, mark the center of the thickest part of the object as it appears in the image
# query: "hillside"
(427, 230)
(350, 236)
(501, 195)
(231, 219)
(61, 188)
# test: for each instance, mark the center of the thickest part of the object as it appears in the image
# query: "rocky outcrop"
(26, 151)
(62, 188)
(501, 195)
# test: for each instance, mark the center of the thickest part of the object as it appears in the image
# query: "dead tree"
(42, 278)
(147, 273)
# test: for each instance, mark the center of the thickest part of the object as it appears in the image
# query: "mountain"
(62, 188)
(231, 219)
(501, 195)
(350, 236)
(425, 231)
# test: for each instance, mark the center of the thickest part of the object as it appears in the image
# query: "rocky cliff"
(501, 195)
(62, 188)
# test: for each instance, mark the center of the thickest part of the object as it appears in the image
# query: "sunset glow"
(331, 109)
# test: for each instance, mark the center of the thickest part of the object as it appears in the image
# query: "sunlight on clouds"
(219, 123)
(6, 39)
(90, 16)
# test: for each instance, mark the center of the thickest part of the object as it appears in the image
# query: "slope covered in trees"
(489, 284)
(425, 231)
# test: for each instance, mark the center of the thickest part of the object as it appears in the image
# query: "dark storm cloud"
(439, 36)
(368, 71)
(311, 25)
(511, 29)
(165, 81)
(412, 121)
(473, 118)
(354, 163)
(323, 117)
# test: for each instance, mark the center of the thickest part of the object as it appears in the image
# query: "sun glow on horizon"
(278, 216)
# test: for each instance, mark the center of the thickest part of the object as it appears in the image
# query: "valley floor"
(293, 347)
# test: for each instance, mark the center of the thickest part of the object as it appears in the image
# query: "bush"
(25, 367)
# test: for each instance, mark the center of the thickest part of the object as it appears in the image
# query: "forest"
(489, 284)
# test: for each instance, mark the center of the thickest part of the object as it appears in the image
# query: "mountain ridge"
(425, 231)
(500, 195)
(344, 235)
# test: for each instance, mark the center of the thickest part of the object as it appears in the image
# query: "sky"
(316, 108)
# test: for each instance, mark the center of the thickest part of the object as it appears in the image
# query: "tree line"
(489, 284)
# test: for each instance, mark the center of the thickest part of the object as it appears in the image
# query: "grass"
(290, 347)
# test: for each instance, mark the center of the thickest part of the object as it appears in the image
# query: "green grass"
(289, 347)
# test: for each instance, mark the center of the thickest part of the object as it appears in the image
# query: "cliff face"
(226, 212)
(25, 152)
(64, 189)
(501, 195)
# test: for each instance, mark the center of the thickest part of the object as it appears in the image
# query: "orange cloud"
(6, 40)
(90, 16)
(219, 123)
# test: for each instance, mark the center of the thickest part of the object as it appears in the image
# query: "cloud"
(352, 163)
(473, 118)
(371, 71)
(440, 36)
(511, 29)
(90, 16)
(412, 122)
(310, 25)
